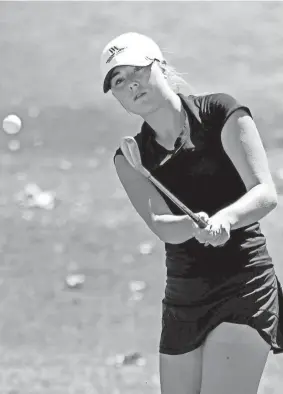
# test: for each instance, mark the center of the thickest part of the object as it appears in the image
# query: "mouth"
(139, 95)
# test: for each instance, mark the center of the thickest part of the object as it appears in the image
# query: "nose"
(133, 86)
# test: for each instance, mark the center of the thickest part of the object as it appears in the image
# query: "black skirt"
(251, 298)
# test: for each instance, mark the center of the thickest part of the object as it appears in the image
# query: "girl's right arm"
(162, 222)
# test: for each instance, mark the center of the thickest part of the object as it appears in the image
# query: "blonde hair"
(175, 79)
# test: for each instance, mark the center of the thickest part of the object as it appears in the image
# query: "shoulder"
(217, 102)
(219, 98)
(216, 108)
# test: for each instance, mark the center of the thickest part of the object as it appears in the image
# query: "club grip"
(198, 220)
(201, 223)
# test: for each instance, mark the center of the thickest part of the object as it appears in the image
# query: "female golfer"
(222, 300)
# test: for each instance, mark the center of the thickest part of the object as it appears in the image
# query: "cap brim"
(122, 60)
(107, 81)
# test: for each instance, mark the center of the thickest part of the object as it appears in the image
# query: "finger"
(203, 215)
(204, 234)
(204, 237)
(213, 238)
(221, 239)
(150, 207)
(151, 210)
(200, 231)
(200, 239)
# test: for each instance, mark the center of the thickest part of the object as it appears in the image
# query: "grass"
(54, 339)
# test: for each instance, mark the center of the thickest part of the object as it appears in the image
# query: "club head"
(126, 151)
(131, 152)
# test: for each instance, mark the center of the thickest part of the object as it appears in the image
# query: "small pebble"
(137, 286)
(14, 145)
(146, 248)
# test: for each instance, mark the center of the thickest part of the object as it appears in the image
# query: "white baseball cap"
(129, 49)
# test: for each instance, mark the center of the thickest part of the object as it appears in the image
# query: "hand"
(217, 231)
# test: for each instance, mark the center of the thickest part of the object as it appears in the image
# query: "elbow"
(171, 240)
(157, 229)
(169, 237)
(273, 202)
(271, 197)
(161, 236)
(164, 233)
(176, 232)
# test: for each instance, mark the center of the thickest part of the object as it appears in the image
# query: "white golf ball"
(12, 124)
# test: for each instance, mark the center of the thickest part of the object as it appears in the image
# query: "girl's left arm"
(242, 143)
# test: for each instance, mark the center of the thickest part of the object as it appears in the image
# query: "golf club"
(131, 152)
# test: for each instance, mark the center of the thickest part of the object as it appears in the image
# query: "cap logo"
(114, 51)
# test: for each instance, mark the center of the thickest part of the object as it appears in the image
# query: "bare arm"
(168, 227)
(242, 143)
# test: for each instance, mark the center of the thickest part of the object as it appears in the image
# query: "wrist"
(225, 218)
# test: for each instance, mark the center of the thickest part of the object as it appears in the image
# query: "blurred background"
(81, 277)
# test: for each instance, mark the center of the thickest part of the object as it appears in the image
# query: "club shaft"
(131, 152)
(176, 201)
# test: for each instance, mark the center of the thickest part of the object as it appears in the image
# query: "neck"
(168, 120)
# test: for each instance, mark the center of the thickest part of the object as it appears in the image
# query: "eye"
(118, 81)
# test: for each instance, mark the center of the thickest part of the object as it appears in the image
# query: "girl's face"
(139, 90)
